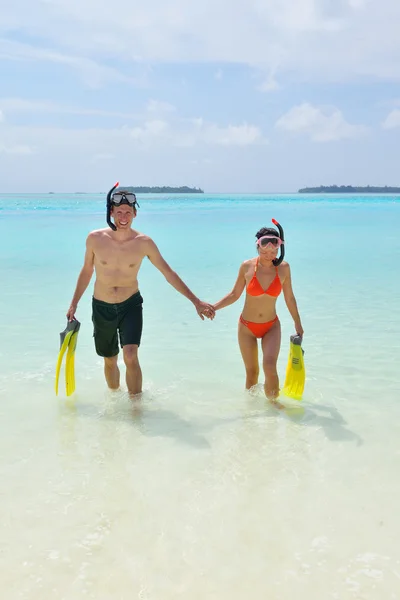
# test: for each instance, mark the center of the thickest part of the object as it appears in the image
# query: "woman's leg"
(271, 344)
(249, 350)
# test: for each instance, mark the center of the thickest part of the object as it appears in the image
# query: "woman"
(264, 277)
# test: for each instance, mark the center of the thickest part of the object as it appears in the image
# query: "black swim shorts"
(123, 318)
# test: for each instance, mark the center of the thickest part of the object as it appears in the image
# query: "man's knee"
(110, 361)
(131, 355)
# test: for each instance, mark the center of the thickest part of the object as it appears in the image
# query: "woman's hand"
(299, 328)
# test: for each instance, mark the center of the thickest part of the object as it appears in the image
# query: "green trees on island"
(349, 189)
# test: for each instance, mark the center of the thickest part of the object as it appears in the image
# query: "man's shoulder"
(98, 232)
(95, 236)
(142, 237)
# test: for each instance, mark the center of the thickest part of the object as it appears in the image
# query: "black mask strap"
(110, 223)
(277, 261)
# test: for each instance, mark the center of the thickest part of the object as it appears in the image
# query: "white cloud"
(190, 132)
(392, 120)
(157, 123)
(17, 105)
(157, 106)
(232, 135)
(155, 132)
(358, 3)
(1, 116)
(91, 159)
(150, 131)
(16, 149)
(62, 160)
(309, 39)
(201, 161)
(269, 85)
(92, 73)
(320, 124)
(104, 156)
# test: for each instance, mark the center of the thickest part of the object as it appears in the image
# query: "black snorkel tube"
(110, 223)
(277, 261)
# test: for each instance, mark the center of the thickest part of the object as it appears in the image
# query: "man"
(116, 253)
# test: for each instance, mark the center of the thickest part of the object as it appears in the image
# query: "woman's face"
(268, 246)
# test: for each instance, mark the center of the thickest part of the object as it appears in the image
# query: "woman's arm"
(291, 301)
(235, 293)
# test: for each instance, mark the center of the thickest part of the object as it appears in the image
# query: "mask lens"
(120, 198)
(264, 241)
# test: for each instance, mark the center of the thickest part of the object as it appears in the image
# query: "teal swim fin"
(68, 341)
(295, 370)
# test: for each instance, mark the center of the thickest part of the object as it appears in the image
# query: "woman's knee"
(269, 365)
(252, 372)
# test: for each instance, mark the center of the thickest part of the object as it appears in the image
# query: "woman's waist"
(259, 314)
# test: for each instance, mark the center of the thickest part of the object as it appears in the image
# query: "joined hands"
(204, 309)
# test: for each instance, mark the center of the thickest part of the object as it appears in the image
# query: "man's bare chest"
(117, 255)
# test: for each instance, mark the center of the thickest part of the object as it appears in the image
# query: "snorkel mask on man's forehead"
(274, 240)
(117, 199)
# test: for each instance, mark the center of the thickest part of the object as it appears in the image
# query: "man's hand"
(204, 309)
(71, 312)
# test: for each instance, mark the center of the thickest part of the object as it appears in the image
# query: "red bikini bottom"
(259, 329)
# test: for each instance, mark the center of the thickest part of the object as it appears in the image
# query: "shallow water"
(203, 490)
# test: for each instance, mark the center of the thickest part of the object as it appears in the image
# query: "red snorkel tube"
(110, 223)
(277, 261)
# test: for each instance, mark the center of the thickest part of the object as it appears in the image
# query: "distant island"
(184, 189)
(349, 189)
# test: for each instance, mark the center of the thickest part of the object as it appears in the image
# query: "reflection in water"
(173, 496)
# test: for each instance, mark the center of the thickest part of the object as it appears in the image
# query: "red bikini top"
(254, 288)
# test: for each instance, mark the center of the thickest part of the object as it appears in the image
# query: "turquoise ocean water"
(205, 491)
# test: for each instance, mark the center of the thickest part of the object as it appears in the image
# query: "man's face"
(123, 216)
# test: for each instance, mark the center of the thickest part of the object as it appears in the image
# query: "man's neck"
(121, 235)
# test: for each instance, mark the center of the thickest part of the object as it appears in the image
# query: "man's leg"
(105, 334)
(130, 331)
(133, 370)
(111, 372)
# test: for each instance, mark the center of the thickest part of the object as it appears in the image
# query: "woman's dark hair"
(266, 231)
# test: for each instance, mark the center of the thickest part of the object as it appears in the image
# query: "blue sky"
(232, 96)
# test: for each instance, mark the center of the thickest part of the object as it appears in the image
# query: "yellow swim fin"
(70, 363)
(295, 370)
(68, 340)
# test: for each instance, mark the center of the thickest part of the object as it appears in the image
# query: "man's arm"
(155, 257)
(291, 301)
(84, 277)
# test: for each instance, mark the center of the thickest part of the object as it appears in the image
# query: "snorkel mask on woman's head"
(267, 240)
(117, 199)
(271, 237)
